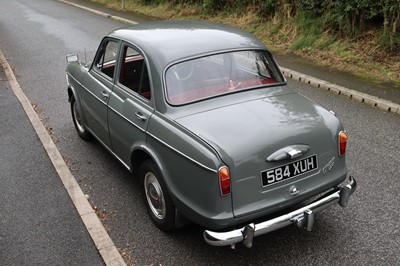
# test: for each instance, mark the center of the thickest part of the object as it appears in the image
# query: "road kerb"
(103, 14)
(94, 226)
(373, 101)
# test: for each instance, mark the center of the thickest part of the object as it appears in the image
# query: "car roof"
(167, 41)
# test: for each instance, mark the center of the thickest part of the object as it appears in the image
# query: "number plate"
(290, 170)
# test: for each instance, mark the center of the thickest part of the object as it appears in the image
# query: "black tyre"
(156, 196)
(77, 118)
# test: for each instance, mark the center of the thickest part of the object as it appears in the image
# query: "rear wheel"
(77, 118)
(156, 197)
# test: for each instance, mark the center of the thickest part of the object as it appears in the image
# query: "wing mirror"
(72, 58)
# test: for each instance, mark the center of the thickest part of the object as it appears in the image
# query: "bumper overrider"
(303, 217)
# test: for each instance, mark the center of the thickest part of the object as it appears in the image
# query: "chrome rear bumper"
(303, 217)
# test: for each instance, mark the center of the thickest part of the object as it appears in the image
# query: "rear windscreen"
(219, 74)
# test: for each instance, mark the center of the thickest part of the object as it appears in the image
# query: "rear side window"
(134, 74)
(106, 60)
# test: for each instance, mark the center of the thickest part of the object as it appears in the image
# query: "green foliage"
(307, 23)
(211, 5)
(314, 7)
(305, 42)
(268, 8)
(324, 42)
(391, 16)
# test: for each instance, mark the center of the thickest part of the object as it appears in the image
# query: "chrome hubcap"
(154, 195)
(77, 118)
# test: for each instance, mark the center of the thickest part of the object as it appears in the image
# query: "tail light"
(224, 181)
(342, 143)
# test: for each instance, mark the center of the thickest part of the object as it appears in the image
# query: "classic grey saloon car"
(201, 113)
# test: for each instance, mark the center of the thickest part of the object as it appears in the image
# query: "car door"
(99, 84)
(130, 104)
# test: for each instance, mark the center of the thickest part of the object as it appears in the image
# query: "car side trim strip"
(182, 154)
(126, 119)
(69, 75)
(109, 150)
(86, 89)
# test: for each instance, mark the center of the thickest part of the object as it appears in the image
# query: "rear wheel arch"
(139, 156)
(142, 153)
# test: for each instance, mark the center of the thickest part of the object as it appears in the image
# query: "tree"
(391, 16)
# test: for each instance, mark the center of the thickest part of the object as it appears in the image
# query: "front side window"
(107, 58)
(134, 74)
(219, 74)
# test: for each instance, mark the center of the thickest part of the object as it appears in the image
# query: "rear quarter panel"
(190, 169)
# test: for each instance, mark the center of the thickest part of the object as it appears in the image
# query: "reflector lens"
(342, 143)
(224, 181)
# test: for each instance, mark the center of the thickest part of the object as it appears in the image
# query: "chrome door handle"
(105, 95)
(140, 116)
